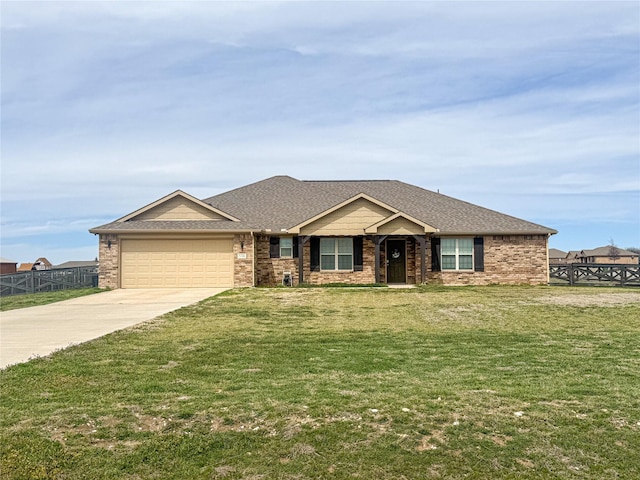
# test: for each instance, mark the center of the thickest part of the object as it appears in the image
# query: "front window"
(336, 254)
(286, 247)
(457, 253)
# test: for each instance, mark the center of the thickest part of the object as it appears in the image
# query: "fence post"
(571, 277)
(623, 275)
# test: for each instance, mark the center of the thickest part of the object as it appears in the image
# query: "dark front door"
(396, 261)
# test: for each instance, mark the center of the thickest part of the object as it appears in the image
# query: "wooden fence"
(595, 274)
(48, 280)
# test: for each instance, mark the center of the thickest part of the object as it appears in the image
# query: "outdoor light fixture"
(109, 244)
(242, 246)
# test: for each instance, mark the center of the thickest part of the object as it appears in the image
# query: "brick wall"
(108, 256)
(243, 254)
(367, 275)
(516, 259)
(412, 262)
(609, 260)
(269, 271)
(509, 259)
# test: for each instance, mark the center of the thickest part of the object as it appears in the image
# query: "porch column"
(302, 241)
(377, 240)
(423, 257)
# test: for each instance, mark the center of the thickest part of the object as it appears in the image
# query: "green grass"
(370, 383)
(33, 299)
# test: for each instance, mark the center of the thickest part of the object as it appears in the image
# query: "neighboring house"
(557, 257)
(78, 263)
(7, 266)
(42, 264)
(317, 232)
(573, 256)
(608, 254)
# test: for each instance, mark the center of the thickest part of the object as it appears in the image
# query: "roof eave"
(486, 233)
(104, 231)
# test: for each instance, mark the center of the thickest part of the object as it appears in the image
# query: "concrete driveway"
(39, 331)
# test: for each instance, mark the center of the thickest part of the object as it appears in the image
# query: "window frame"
(337, 254)
(290, 247)
(470, 252)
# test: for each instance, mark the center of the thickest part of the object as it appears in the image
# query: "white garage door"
(176, 263)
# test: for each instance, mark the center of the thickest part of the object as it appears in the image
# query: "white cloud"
(107, 106)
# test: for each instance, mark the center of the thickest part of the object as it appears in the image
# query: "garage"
(167, 263)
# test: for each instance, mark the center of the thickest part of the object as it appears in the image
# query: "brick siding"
(509, 259)
(515, 259)
(243, 254)
(109, 261)
(269, 271)
(367, 275)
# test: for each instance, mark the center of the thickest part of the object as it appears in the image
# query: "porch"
(379, 259)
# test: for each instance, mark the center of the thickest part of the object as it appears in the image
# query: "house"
(78, 263)
(608, 254)
(573, 256)
(557, 257)
(7, 266)
(286, 230)
(42, 264)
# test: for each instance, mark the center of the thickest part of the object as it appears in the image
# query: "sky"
(528, 108)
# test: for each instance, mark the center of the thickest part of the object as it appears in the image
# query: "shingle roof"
(283, 202)
(171, 225)
(77, 263)
(606, 252)
(555, 253)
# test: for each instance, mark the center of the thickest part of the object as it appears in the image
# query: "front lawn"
(33, 299)
(369, 383)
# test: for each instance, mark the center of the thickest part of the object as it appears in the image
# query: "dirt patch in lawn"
(289, 298)
(597, 300)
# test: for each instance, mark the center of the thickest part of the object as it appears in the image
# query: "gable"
(349, 219)
(178, 208)
(401, 226)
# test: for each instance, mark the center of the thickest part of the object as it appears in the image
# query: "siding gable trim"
(297, 228)
(177, 193)
(373, 229)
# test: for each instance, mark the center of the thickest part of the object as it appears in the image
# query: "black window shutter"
(274, 247)
(315, 254)
(435, 254)
(295, 247)
(478, 254)
(357, 254)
